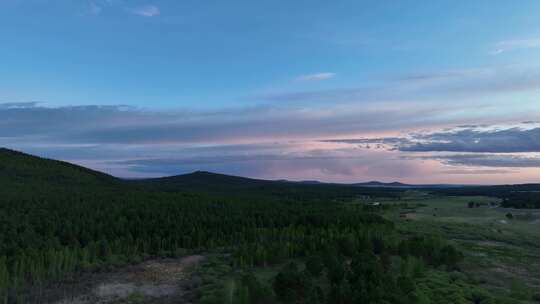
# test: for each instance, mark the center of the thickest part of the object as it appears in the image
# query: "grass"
(502, 254)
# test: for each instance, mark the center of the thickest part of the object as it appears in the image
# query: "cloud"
(514, 146)
(316, 76)
(381, 140)
(146, 11)
(94, 8)
(16, 105)
(476, 171)
(488, 160)
(270, 142)
(516, 44)
(519, 138)
(460, 87)
(264, 141)
(512, 140)
(350, 164)
(125, 125)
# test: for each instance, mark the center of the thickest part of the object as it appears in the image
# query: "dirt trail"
(156, 281)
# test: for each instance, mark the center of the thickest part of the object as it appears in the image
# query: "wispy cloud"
(18, 105)
(316, 76)
(94, 8)
(458, 86)
(516, 44)
(476, 171)
(146, 11)
(488, 160)
(114, 124)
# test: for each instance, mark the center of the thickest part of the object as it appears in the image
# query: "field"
(502, 252)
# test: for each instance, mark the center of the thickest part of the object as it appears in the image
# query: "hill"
(381, 184)
(22, 173)
(205, 181)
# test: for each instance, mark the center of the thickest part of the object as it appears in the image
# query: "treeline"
(524, 200)
(525, 196)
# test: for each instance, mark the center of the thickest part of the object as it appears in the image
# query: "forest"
(58, 220)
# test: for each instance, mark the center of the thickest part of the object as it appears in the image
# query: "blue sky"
(333, 90)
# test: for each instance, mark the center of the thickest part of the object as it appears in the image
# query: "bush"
(135, 298)
(314, 265)
(290, 285)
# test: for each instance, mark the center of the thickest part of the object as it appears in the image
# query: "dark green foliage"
(340, 294)
(316, 295)
(254, 292)
(314, 265)
(450, 257)
(291, 285)
(335, 271)
(406, 285)
(432, 250)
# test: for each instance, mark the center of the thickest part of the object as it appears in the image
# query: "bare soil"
(158, 281)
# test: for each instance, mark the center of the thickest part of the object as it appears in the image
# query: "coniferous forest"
(60, 221)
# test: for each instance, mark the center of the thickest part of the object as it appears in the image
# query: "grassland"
(502, 251)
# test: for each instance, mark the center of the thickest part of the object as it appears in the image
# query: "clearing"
(154, 281)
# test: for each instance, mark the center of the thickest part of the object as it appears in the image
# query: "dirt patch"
(154, 281)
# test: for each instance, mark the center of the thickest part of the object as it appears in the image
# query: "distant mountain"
(375, 184)
(311, 182)
(202, 180)
(381, 184)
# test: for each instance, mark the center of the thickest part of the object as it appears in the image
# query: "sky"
(338, 91)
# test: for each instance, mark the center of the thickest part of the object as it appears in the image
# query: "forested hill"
(201, 180)
(20, 170)
(26, 175)
(20, 173)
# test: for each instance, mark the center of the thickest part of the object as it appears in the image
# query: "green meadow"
(501, 246)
